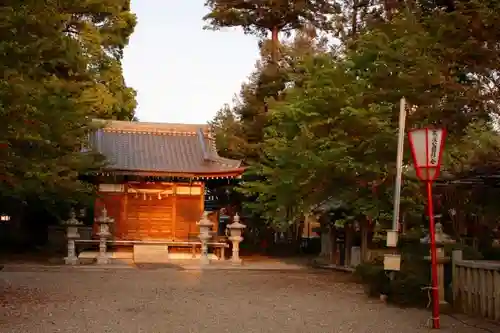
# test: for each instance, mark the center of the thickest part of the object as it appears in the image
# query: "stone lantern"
(441, 239)
(235, 230)
(72, 234)
(103, 222)
(205, 226)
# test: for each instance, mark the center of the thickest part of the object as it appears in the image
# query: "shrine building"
(154, 184)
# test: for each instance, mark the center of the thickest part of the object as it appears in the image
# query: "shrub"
(373, 276)
(468, 252)
(491, 253)
(406, 287)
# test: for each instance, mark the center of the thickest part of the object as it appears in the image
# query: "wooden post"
(174, 211)
(456, 257)
(222, 253)
(441, 261)
(496, 302)
(122, 228)
(202, 197)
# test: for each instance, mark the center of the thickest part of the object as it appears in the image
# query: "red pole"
(434, 272)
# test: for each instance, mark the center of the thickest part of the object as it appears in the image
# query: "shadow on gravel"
(152, 267)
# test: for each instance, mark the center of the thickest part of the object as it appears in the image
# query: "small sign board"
(211, 202)
(392, 262)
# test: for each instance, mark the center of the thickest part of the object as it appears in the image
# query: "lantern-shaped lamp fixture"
(236, 227)
(427, 148)
(205, 224)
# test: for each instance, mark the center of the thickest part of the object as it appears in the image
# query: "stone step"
(143, 253)
(111, 255)
(150, 254)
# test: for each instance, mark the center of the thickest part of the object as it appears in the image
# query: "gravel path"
(173, 301)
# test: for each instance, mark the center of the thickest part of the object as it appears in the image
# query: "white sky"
(182, 73)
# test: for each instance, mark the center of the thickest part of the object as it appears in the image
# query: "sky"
(182, 73)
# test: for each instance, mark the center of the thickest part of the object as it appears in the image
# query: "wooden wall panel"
(141, 215)
(188, 212)
(150, 218)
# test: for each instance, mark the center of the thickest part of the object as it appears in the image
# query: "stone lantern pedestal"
(441, 240)
(103, 222)
(71, 235)
(205, 226)
(235, 230)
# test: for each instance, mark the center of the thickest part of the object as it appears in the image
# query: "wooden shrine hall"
(154, 183)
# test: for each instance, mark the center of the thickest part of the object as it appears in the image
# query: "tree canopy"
(261, 17)
(61, 65)
(333, 131)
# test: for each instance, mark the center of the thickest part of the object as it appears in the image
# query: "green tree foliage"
(61, 65)
(325, 142)
(228, 137)
(268, 82)
(333, 131)
(249, 115)
(441, 61)
(261, 17)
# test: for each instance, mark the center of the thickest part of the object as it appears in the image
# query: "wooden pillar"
(121, 226)
(325, 243)
(201, 207)
(202, 197)
(457, 257)
(174, 211)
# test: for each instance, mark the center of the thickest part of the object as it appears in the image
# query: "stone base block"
(71, 261)
(236, 261)
(189, 256)
(103, 260)
(204, 260)
(150, 254)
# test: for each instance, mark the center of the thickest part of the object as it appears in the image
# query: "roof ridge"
(172, 150)
(152, 127)
(149, 131)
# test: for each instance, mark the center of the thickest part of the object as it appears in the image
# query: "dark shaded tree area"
(61, 66)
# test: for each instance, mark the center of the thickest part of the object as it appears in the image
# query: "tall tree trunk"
(364, 239)
(274, 45)
(333, 245)
(389, 7)
(325, 244)
(354, 19)
(348, 243)
(298, 235)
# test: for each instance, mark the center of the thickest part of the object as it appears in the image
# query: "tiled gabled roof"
(160, 148)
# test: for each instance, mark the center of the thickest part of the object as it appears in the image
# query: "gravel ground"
(169, 300)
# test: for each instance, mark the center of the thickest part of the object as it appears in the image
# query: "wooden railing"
(476, 287)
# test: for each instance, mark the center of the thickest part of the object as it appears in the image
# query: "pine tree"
(271, 16)
(61, 65)
(269, 80)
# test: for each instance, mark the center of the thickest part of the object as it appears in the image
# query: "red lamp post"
(427, 148)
